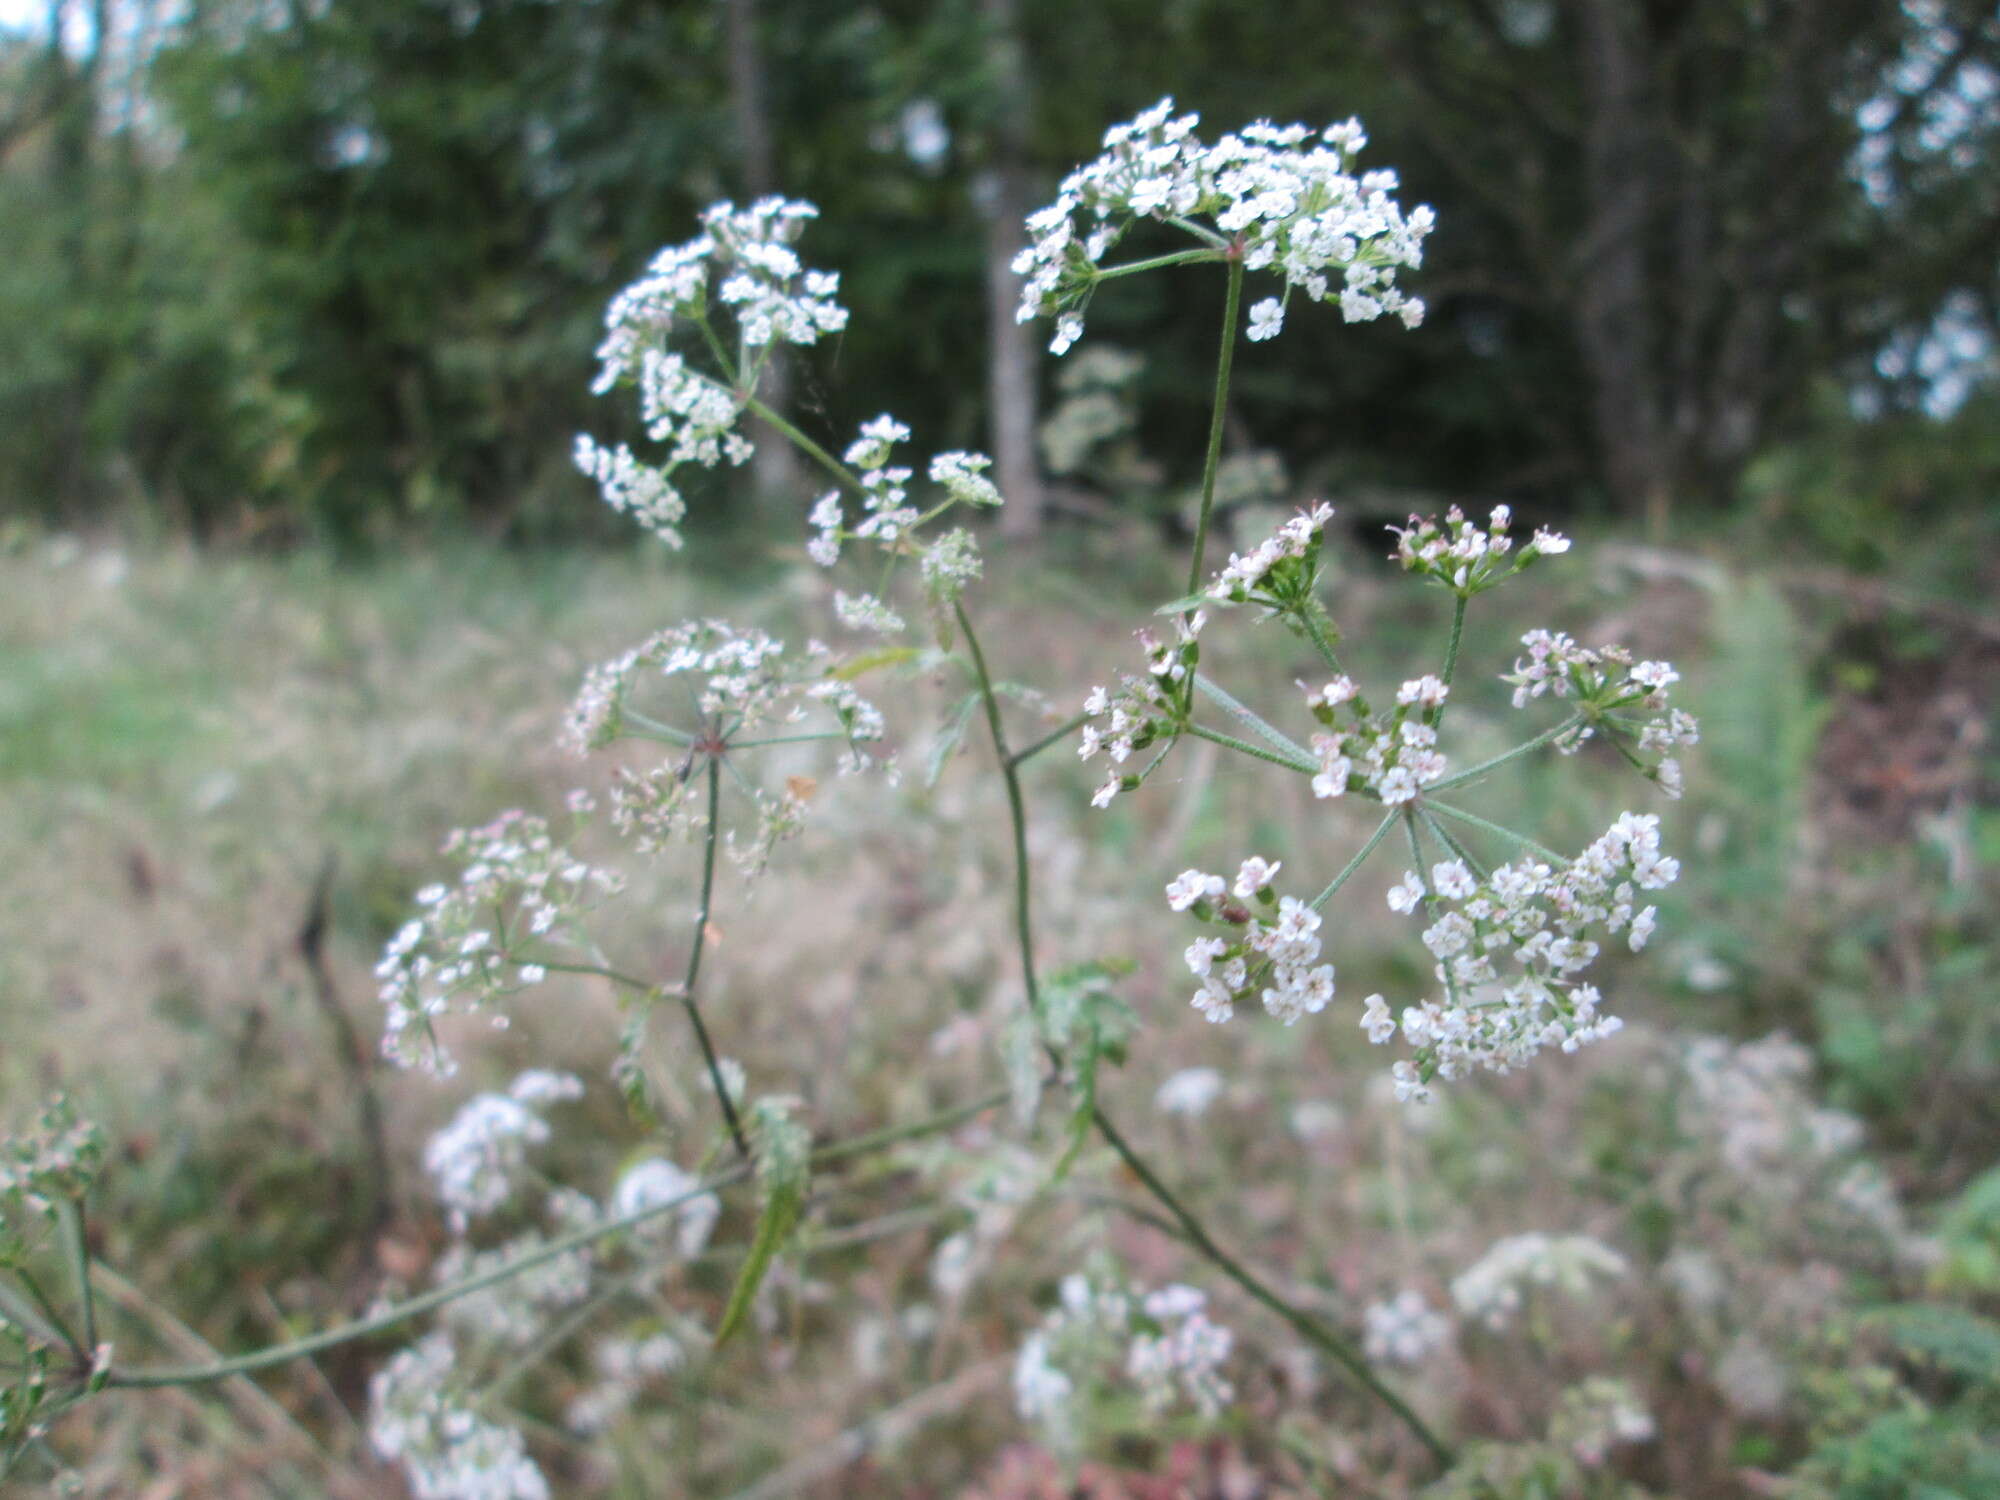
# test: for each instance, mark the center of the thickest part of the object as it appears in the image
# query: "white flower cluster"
(472, 941)
(747, 680)
(891, 521)
(58, 1157)
(1598, 1415)
(1163, 1341)
(418, 1418)
(743, 261)
(624, 1367)
(1494, 1288)
(949, 564)
(866, 612)
(1391, 757)
(1284, 198)
(1751, 1105)
(641, 490)
(1539, 916)
(476, 1161)
(1611, 688)
(1145, 709)
(1279, 571)
(686, 1215)
(1274, 957)
(1466, 559)
(772, 295)
(1405, 1330)
(1182, 1357)
(515, 1311)
(1189, 1092)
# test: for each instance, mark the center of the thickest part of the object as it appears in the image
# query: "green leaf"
(1185, 603)
(1087, 1024)
(783, 1150)
(875, 661)
(949, 737)
(783, 1206)
(1953, 1338)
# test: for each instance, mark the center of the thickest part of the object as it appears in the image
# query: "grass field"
(206, 762)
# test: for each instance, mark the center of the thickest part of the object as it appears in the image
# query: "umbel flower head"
(741, 265)
(1285, 198)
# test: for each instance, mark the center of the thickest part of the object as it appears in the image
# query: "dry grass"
(184, 741)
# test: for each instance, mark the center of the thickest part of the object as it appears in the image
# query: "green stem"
(892, 1135)
(1430, 894)
(1216, 736)
(1017, 809)
(807, 446)
(1301, 1322)
(54, 1318)
(402, 1312)
(788, 739)
(710, 839)
(17, 1309)
(1450, 841)
(1177, 258)
(1054, 736)
(1200, 231)
(1506, 833)
(1360, 855)
(1215, 420)
(654, 727)
(1525, 748)
(628, 981)
(1436, 715)
(1308, 616)
(1197, 1236)
(76, 1243)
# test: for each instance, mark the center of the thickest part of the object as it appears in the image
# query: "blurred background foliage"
(332, 268)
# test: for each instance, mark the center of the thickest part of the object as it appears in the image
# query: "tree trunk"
(1614, 325)
(1010, 347)
(774, 471)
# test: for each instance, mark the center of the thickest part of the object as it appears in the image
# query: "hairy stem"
(710, 839)
(1054, 736)
(1215, 420)
(76, 1245)
(1300, 1321)
(49, 1315)
(1496, 828)
(1450, 841)
(1308, 616)
(1230, 742)
(624, 981)
(1436, 715)
(806, 445)
(19, 1310)
(1154, 263)
(1017, 809)
(1360, 855)
(1192, 1229)
(1526, 747)
(402, 1312)
(1431, 903)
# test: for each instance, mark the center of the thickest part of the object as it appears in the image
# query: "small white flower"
(1266, 319)
(1255, 875)
(1191, 886)
(1407, 895)
(1189, 1092)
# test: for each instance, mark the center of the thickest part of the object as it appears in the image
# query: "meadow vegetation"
(192, 742)
(785, 1079)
